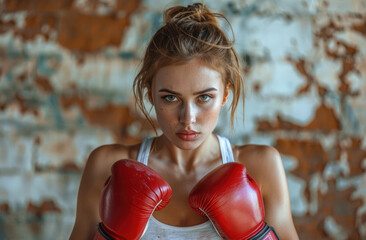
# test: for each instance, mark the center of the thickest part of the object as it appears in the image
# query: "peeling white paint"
(334, 229)
(298, 201)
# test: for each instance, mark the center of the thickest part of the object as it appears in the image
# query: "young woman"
(188, 72)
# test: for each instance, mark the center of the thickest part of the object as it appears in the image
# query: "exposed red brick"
(355, 155)
(335, 203)
(24, 106)
(280, 123)
(124, 138)
(246, 70)
(80, 58)
(2, 106)
(311, 227)
(22, 77)
(33, 5)
(49, 6)
(34, 24)
(342, 51)
(301, 66)
(70, 167)
(310, 155)
(45, 206)
(322, 91)
(124, 5)
(257, 87)
(361, 28)
(5, 208)
(325, 3)
(37, 140)
(68, 4)
(18, 5)
(117, 118)
(325, 120)
(350, 50)
(39, 169)
(129, 6)
(69, 101)
(304, 89)
(341, 206)
(363, 218)
(6, 25)
(44, 84)
(110, 115)
(36, 226)
(92, 33)
(73, 87)
(311, 159)
(327, 32)
(265, 125)
(348, 66)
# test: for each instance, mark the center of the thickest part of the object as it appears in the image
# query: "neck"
(188, 160)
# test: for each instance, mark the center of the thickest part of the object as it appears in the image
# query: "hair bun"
(196, 12)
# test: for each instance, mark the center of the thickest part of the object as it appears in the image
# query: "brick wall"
(67, 68)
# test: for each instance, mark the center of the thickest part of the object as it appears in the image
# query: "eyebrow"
(196, 93)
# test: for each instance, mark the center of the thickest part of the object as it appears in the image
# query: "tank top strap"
(226, 150)
(143, 155)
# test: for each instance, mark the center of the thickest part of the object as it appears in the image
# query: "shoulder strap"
(226, 150)
(144, 151)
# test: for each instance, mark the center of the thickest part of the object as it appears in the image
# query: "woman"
(188, 71)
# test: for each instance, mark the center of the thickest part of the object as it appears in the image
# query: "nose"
(188, 114)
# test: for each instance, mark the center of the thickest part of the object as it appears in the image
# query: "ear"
(226, 93)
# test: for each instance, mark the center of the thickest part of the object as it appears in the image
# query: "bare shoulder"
(96, 172)
(102, 158)
(263, 163)
(257, 157)
(254, 150)
(98, 166)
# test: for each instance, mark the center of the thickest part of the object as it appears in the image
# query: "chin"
(187, 145)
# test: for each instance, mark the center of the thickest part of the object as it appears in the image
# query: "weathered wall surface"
(67, 68)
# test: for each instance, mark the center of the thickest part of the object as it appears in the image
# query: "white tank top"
(158, 230)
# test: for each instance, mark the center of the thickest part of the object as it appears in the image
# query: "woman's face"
(187, 100)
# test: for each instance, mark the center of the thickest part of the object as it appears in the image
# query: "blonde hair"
(190, 32)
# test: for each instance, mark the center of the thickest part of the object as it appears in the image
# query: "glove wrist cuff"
(267, 233)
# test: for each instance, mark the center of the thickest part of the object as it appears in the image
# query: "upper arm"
(276, 195)
(87, 211)
(264, 164)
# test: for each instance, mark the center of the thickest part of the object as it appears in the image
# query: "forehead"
(195, 75)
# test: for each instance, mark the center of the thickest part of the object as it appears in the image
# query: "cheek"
(210, 113)
(165, 114)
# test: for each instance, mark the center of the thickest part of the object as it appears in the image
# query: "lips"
(187, 135)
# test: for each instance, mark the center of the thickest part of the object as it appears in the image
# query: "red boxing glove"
(231, 199)
(128, 199)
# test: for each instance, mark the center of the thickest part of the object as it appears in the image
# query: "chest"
(178, 212)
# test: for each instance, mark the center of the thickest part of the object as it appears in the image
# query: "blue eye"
(204, 98)
(170, 98)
